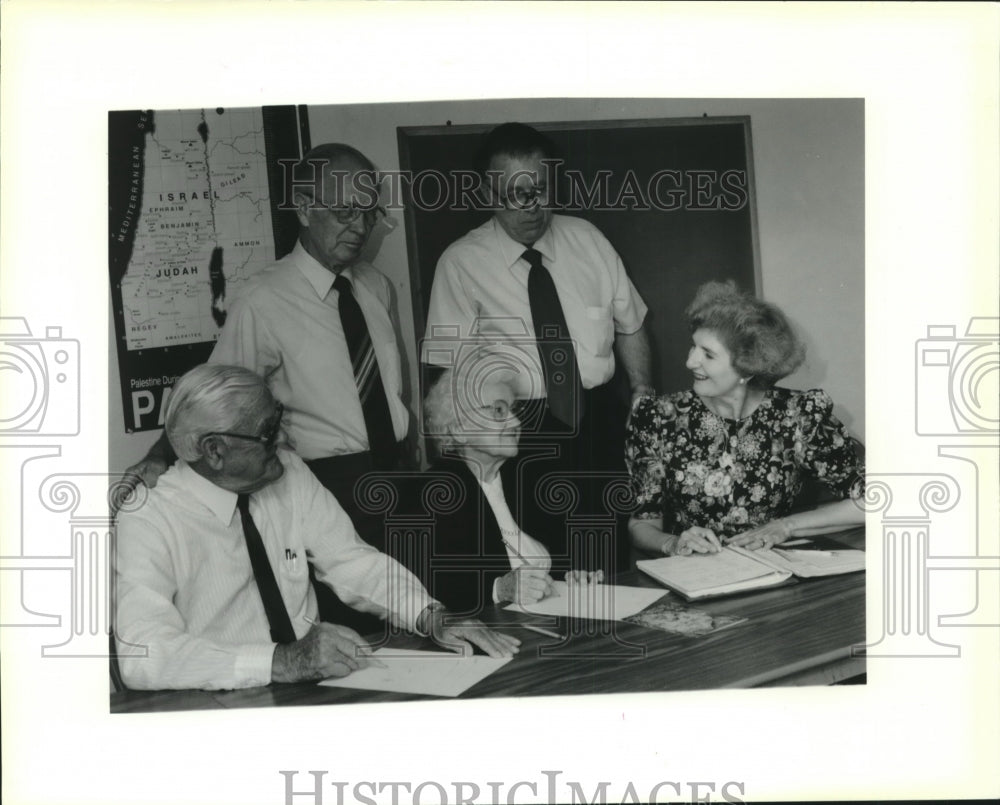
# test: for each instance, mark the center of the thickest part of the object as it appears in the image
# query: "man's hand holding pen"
(327, 650)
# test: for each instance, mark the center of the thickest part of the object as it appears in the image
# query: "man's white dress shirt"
(285, 326)
(480, 293)
(186, 589)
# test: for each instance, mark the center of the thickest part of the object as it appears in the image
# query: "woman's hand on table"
(696, 539)
(526, 585)
(764, 536)
(584, 577)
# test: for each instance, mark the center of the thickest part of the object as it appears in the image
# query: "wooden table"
(795, 635)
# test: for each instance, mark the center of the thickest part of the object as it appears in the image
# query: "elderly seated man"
(212, 571)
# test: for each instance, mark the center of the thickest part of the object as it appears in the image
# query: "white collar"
(221, 502)
(512, 250)
(316, 274)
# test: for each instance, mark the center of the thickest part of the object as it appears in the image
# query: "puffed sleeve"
(823, 448)
(645, 446)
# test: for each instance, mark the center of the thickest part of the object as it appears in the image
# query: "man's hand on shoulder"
(457, 634)
(327, 650)
(147, 471)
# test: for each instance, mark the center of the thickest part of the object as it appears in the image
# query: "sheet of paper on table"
(436, 673)
(606, 602)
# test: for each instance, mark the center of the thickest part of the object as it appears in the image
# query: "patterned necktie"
(371, 392)
(562, 375)
(274, 606)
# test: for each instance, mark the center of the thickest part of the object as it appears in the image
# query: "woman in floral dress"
(724, 461)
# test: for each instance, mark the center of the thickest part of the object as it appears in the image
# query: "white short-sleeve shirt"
(480, 299)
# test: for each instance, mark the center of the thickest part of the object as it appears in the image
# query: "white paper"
(435, 673)
(606, 602)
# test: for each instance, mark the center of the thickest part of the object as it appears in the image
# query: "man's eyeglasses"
(350, 214)
(268, 438)
(523, 198)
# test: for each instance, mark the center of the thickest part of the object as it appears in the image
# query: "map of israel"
(203, 226)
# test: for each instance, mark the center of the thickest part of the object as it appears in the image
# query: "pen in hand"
(550, 590)
(365, 650)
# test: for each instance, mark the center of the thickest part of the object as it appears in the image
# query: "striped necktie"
(562, 375)
(371, 392)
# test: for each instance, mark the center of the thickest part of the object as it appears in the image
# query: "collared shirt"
(480, 294)
(186, 589)
(286, 327)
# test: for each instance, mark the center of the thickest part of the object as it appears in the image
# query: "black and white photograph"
(550, 439)
(486, 402)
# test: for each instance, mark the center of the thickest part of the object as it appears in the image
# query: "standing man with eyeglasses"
(553, 290)
(320, 327)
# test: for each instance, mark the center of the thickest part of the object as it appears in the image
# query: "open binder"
(734, 570)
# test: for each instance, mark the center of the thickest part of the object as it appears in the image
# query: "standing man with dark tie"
(319, 327)
(552, 291)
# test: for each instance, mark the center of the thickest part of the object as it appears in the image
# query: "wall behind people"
(809, 175)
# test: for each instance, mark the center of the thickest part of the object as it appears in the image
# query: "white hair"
(457, 393)
(210, 398)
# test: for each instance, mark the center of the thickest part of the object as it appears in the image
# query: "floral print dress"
(694, 467)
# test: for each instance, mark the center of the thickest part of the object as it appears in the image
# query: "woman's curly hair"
(760, 341)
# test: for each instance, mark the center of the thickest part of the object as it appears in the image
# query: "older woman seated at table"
(469, 414)
(725, 460)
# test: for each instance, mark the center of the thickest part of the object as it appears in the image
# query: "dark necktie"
(371, 392)
(562, 375)
(274, 606)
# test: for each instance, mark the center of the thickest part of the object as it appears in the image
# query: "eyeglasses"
(350, 214)
(268, 438)
(500, 410)
(523, 198)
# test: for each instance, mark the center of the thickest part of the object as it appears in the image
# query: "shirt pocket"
(293, 566)
(600, 330)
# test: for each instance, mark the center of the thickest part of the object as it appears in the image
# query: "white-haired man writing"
(213, 570)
